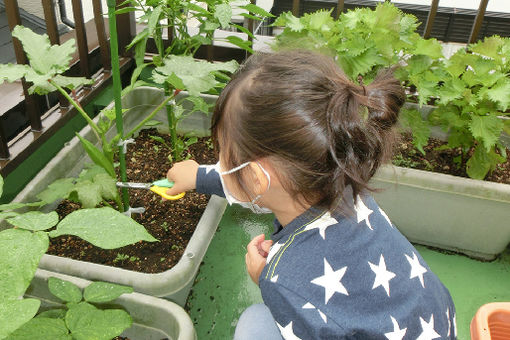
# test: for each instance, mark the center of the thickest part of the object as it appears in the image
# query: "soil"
(442, 161)
(171, 222)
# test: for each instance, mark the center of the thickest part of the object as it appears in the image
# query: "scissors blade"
(134, 185)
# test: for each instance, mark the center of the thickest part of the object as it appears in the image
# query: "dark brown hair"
(322, 132)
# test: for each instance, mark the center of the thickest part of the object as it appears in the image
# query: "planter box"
(173, 284)
(153, 318)
(460, 214)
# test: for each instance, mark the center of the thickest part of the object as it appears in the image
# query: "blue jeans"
(256, 323)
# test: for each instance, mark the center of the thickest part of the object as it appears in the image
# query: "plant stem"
(150, 116)
(114, 52)
(78, 107)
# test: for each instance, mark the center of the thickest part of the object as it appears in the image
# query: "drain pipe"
(63, 14)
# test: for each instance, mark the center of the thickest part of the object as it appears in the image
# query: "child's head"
(320, 131)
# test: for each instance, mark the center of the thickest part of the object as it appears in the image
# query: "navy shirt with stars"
(337, 276)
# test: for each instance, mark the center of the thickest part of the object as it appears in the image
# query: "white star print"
(382, 276)
(386, 217)
(287, 332)
(428, 332)
(274, 249)
(449, 323)
(323, 316)
(325, 221)
(331, 281)
(208, 168)
(274, 278)
(417, 270)
(397, 333)
(362, 212)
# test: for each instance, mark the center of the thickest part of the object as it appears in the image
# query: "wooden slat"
(125, 29)
(478, 21)
(81, 38)
(101, 35)
(430, 18)
(295, 7)
(32, 101)
(339, 8)
(52, 30)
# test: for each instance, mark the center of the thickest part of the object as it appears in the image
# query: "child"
(297, 138)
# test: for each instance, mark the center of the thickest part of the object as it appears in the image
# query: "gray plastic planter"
(444, 211)
(153, 318)
(173, 284)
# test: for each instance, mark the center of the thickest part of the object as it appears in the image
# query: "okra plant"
(23, 247)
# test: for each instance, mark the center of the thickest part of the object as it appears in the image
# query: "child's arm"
(188, 175)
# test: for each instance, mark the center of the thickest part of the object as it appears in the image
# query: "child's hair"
(322, 132)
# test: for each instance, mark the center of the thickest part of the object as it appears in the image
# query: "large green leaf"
(223, 12)
(55, 313)
(86, 322)
(12, 72)
(107, 186)
(429, 47)
(500, 93)
(64, 290)
(21, 252)
(15, 313)
(57, 190)
(42, 329)
(18, 205)
(104, 227)
(412, 119)
(104, 292)
(481, 162)
(96, 155)
(89, 193)
(192, 75)
(44, 58)
(290, 21)
(72, 82)
(486, 129)
(34, 220)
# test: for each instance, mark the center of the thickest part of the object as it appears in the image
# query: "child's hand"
(184, 176)
(256, 256)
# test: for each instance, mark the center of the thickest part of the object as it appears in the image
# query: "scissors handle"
(161, 191)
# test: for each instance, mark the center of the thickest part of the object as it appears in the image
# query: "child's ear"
(259, 179)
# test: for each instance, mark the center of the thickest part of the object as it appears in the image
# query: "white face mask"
(231, 199)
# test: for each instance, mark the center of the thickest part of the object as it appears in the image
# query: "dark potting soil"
(442, 161)
(171, 222)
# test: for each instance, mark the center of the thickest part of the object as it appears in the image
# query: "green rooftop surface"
(223, 288)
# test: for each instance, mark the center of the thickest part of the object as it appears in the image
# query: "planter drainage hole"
(190, 255)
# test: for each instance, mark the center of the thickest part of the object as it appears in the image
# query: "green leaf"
(103, 227)
(481, 162)
(199, 104)
(13, 314)
(21, 252)
(429, 47)
(107, 186)
(223, 12)
(104, 292)
(320, 20)
(153, 123)
(12, 72)
(72, 82)
(244, 44)
(18, 205)
(44, 58)
(412, 119)
(86, 322)
(490, 46)
(500, 93)
(452, 88)
(57, 190)
(55, 313)
(64, 290)
(42, 329)
(97, 156)
(486, 129)
(290, 21)
(186, 73)
(34, 220)
(257, 10)
(7, 214)
(89, 193)
(154, 19)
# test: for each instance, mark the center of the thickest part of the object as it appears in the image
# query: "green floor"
(223, 289)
